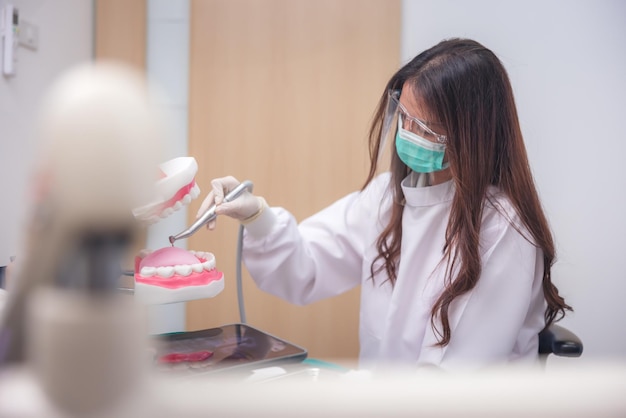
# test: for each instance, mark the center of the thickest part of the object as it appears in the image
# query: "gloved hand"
(244, 207)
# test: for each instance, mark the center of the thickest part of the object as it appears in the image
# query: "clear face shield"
(396, 118)
(390, 121)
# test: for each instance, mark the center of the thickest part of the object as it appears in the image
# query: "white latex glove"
(244, 207)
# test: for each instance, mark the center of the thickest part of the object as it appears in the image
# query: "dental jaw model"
(172, 274)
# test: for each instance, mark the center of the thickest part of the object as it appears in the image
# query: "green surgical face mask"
(419, 154)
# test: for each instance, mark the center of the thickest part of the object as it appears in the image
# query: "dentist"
(451, 246)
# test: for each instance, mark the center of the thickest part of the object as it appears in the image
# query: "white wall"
(65, 39)
(567, 63)
(167, 65)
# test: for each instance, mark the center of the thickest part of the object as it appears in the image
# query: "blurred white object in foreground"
(575, 391)
(64, 320)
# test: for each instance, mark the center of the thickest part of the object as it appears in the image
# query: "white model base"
(157, 295)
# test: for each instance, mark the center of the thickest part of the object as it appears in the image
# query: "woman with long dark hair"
(451, 245)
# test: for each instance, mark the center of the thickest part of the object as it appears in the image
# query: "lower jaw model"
(172, 274)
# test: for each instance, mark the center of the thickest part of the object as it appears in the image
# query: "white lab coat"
(331, 252)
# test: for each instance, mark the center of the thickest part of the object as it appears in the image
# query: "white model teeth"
(150, 215)
(182, 270)
(195, 191)
(165, 272)
(148, 271)
(204, 256)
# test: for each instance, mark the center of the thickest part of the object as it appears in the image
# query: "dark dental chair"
(559, 341)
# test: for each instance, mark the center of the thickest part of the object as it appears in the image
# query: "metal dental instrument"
(210, 214)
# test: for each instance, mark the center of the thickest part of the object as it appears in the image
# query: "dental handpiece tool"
(210, 214)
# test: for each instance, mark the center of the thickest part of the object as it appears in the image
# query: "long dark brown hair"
(466, 87)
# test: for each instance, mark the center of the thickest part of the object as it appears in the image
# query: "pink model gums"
(172, 274)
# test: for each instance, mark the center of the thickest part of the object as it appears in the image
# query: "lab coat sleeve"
(499, 320)
(322, 256)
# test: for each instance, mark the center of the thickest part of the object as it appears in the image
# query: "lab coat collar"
(427, 196)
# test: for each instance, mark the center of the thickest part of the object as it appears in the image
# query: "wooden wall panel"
(121, 31)
(281, 93)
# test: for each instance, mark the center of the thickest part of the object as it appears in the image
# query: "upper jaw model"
(175, 188)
